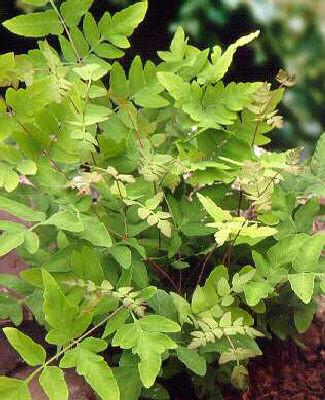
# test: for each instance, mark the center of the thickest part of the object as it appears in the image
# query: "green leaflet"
(20, 210)
(122, 255)
(53, 383)
(73, 10)
(62, 316)
(256, 291)
(213, 210)
(286, 249)
(36, 3)
(93, 367)
(10, 308)
(192, 360)
(177, 47)
(14, 389)
(303, 285)
(305, 214)
(36, 24)
(149, 348)
(31, 241)
(182, 306)
(116, 322)
(308, 255)
(128, 369)
(87, 264)
(95, 231)
(107, 50)
(7, 63)
(27, 167)
(34, 354)
(148, 345)
(162, 303)
(303, 317)
(221, 62)
(58, 311)
(65, 220)
(180, 90)
(130, 374)
(157, 323)
(216, 275)
(203, 298)
(125, 21)
(118, 83)
(90, 29)
(8, 178)
(10, 241)
(144, 86)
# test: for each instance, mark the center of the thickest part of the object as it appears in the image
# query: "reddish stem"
(165, 274)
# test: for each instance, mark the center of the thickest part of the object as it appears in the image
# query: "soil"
(287, 371)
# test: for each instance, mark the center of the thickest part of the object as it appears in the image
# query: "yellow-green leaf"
(14, 389)
(36, 24)
(34, 354)
(53, 382)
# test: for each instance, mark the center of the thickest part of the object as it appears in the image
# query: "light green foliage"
(192, 360)
(220, 62)
(53, 383)
(93, 367)
(121, 179)
(36, 24)
(32, 353)
(11, 389)
(230, 227)
(73, 10)
(146, 339)
(303, 285)
(63, 317)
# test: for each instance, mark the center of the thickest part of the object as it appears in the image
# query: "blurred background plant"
(293, 38)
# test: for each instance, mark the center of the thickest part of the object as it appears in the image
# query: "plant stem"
(255, 133)
(165, 274)
(74, 343)
(207, 258)
(66, 29)
(239, 202)
(124, 209)
(233, 349)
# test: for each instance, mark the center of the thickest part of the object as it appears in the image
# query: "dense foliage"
(155, 230)
(293, 37)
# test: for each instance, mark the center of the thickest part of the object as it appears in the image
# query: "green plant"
(292, 38)
(132, 186)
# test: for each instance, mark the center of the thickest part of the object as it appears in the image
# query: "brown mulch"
(287, 371)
